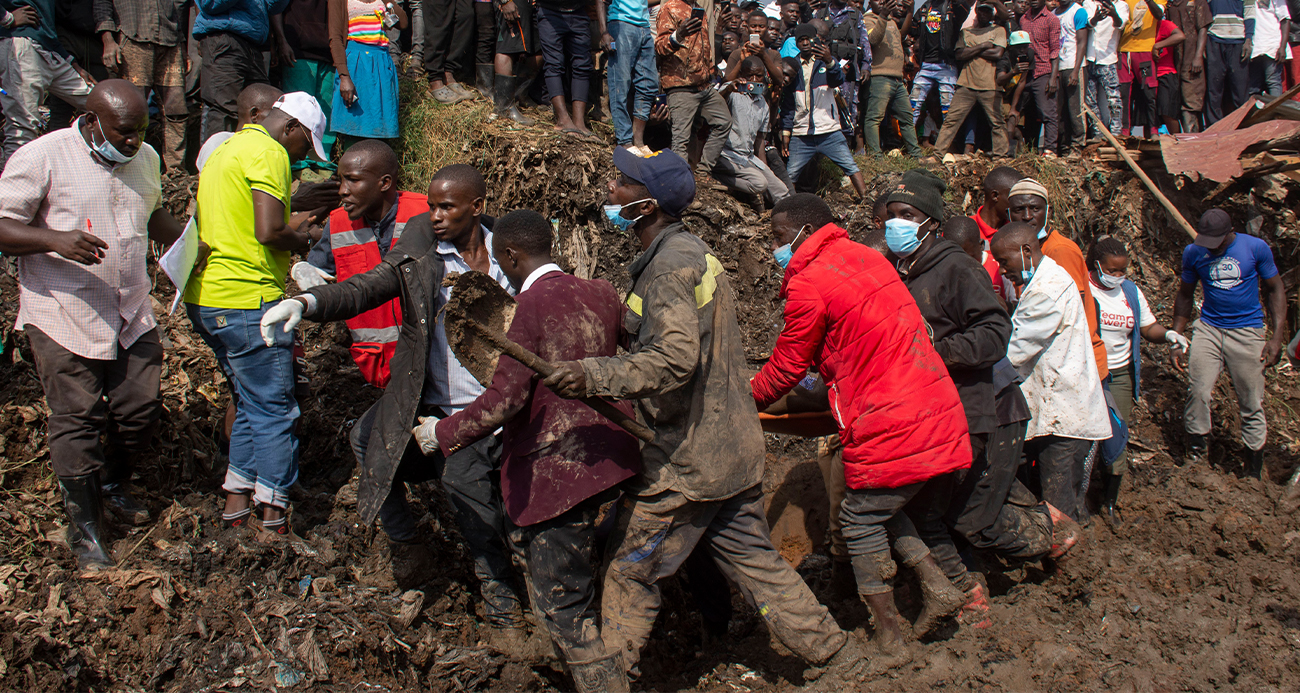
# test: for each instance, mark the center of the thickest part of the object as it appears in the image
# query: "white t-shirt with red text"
(1115, 317)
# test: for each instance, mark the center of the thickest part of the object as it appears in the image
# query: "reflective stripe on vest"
(703, 291)
(356, 250)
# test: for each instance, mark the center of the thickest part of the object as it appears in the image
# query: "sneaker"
(1065, 532)
(1049, 154)
(975, 612)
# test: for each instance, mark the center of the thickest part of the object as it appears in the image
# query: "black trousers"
(1060, 471)
(991, 508)
(475, 500)
(485, 32)
(91, 397)
(448, 33)
(1225, 75)
(230, 63)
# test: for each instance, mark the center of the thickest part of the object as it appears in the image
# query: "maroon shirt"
(1045, 37)
(557, 452)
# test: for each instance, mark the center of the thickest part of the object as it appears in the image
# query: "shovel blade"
(477, 298)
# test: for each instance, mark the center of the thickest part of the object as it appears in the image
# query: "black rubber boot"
(1255, 463)
(82, 500)
(1110, 500)
(503, 99)
(486, 84)
(1198, 450)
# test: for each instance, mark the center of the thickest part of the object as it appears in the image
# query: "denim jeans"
(1265, 76)
(1104, 79)
(888, 94)
(941, 75)
(832, 145)
(566, 48)
(633, 77)
(263, 447)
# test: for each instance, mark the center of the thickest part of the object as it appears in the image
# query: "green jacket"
(686, 366)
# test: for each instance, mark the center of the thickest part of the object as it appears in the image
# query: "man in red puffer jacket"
(900, 419)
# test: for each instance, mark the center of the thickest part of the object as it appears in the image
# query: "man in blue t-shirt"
(1231, 331)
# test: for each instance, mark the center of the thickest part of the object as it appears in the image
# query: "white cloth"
(447, 383)
(216, 140)
(1069, 35)
(1103, 45)
(1268, 27)
(1052, 349)
(1115, 316)
(538, 274)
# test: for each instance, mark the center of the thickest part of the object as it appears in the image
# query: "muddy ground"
(1197, 591)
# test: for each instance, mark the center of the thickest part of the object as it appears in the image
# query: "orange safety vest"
(356, 250)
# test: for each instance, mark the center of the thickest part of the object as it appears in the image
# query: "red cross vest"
(356, 250)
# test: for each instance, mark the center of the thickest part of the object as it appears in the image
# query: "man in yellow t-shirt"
(243, 214)
(1137, 69)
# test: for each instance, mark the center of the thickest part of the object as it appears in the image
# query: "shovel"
(476, 320)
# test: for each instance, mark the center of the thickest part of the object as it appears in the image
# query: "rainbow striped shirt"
(366, 22)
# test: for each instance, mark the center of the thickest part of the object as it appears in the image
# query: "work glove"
(425, 434)
(289, 311)
(309, 276)
(1176, 341)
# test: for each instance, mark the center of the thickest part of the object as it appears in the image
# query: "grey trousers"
(27, 74)
(1239, 351)
(684, 106)
(654, 536)
(750, 180)
(870, 518)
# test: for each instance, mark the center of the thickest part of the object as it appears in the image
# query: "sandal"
(465, 94)
(446, 95)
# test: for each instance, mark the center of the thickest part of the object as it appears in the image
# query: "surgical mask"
(1107, 280)
(1026, 274)
(783, 254)
(614, 213)
(1047, 214)
(900, 236)
(107, 150)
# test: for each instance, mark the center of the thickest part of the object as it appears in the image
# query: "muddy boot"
(503, 98)
(888, 642)
(1110, 500)
(486, 80)
(119, 501)
(523, 91)
(1198, 451)
(413, 563)
(1065, 532)
(599, 675)
(1255, 463)
(941, 598)
(850, 663)
(975, 612)
(82, 500)
(518, 645)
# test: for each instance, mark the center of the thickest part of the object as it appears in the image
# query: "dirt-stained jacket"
(686, 366)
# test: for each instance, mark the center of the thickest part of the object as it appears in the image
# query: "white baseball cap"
(306, 110)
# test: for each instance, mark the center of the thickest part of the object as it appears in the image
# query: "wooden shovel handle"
(545, 369)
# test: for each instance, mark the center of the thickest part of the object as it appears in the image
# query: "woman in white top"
(1122, 332)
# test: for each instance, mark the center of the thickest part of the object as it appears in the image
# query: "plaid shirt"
(56, 182)
(1045, 36)
(160, 22)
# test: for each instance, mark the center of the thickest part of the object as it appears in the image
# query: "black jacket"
(410, 272)
(969, 328)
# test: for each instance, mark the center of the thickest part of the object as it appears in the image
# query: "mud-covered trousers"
(559, 559)
(991, 508)
(466, 478)
(654, 536)
(872, 518)
(1060, 470)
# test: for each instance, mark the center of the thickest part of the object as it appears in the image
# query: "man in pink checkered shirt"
(78, 207)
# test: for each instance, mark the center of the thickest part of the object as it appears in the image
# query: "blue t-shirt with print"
(1231, 281)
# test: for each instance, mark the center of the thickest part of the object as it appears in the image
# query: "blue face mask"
(783, 254)
(901, 236)
(614, 213)
(1026, 274)
(106, 148)
(1047, 214)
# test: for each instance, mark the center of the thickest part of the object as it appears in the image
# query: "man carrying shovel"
(701, 482)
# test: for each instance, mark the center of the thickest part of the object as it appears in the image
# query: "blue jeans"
(632, 72)
(933, 75)
(832, 145)
(263, 447)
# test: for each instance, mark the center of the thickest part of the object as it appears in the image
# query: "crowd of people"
(980, 371)
(748, 92)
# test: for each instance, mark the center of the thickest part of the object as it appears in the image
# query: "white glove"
(309, 276)
(1176, 341)
(426, 435)
(289, 311)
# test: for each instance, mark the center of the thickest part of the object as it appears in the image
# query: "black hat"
(805, 31)
(1215, 225)
(923, 190)
(664, 174)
